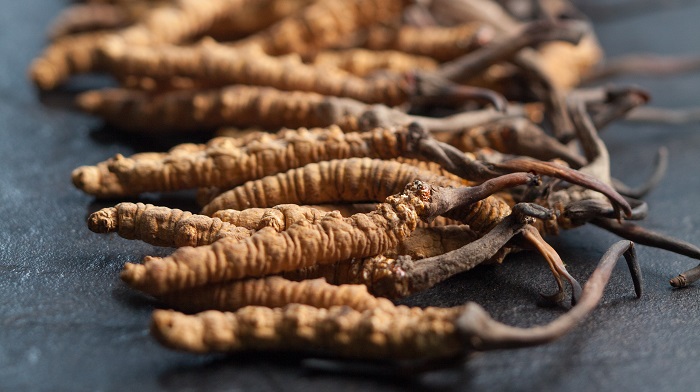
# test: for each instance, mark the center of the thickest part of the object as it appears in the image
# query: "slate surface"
(68, 324)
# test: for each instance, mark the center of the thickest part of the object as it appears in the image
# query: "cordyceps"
(413, 272)
(445, 250)
(226, 66)
(437, 42)
(223, 164)
(73, 54)
(217, 64)
(163, 226)
(188, 19)
(273, 292)
(81, 18)
(242, 106)
(324, 24)
(102, 15)
(180, 111)
(332, 239)
(363, 62)
(341, 180)
(391, 333)
(347, 181)
(427, 257)
(385, 277)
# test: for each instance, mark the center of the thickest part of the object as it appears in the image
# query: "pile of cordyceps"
(366, 149)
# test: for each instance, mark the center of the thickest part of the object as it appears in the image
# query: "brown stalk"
(484, 333)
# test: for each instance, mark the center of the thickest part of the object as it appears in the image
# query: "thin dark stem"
(445, 200)
(530, 140)
(648, 237)
(460, 164)
(607, 104)
(472, 64)
(565, 173)
(481, 332)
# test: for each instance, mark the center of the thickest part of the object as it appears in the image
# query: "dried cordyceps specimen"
(686, 278)
(345, 180)
(80, 18)
(331, 239)
(163, 226)
(400, 333)
(254, 17)
(273, 292)
(173, 23)
(224, 65)
(66, 56)
(251, 106)
(222, 165)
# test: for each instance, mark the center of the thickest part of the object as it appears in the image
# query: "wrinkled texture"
(220, 164)
(268, 251)
(273, 292)
(402, 333)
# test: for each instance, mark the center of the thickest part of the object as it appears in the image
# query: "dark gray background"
(68, 323)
